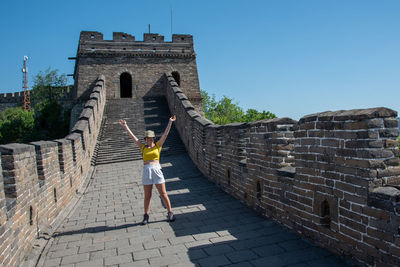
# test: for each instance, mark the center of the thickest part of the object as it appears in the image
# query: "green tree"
(225, 111)
(52, 121)
(209, 103)
(17, 125)
(49, 120)
(49, 86)
(255, 115)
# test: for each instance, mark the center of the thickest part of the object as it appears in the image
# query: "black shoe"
(145, 219)
(170, 217)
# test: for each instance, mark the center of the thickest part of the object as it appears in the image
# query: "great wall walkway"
(211, 229)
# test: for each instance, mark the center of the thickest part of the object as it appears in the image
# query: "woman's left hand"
(173, 118)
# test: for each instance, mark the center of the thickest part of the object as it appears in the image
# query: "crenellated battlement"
(153, 45)
(38, 180)
(333, 177)
(17, 98)
(10, 100)
(6, 96)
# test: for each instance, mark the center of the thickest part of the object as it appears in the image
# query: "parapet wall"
(39, 179)
(153, 44)
(333, 177)
(9, 100)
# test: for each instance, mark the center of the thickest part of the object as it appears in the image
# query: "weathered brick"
(357, 163)
(380, 235)
(326, 125)
(356, 199)
(330, 142)
(376, 213)
(300, 134)
(376, 243)
(345, 187)
(391, 123)
(359, 227)
(395, 251)
(307, 126)
(347, 231)
(392, 171)
(391, 143)
(389, 132)
(356, 125)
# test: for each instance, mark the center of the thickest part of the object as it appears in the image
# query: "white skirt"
(152, 174)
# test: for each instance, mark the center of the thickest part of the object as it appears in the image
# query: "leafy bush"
(48, 85)
(49, 120)
(17, 125)
(225, 111)
(52, 121)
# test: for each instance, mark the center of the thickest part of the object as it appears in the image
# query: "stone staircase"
(150, 113)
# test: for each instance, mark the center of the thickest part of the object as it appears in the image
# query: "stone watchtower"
(135, 69)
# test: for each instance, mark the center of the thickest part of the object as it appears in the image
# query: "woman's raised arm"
(166, 132)
(134, 138)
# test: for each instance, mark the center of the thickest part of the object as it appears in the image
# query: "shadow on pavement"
(218, 230)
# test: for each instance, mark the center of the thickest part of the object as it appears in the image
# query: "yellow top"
(151, 153)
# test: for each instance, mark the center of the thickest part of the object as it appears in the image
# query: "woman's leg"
(163, 194)
(147, 197)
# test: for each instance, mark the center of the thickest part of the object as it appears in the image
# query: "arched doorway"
(177, 77)
(125, 81)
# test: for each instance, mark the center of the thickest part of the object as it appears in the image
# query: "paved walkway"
(211, 229)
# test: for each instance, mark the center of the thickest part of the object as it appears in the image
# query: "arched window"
(126, 85)
(177, 77)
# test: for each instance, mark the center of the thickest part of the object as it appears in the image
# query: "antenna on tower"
(27, 98)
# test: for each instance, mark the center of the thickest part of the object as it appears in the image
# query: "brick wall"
(39, 179)
(333, 177)
(10, 100)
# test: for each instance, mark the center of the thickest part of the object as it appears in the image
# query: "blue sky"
(290, 57)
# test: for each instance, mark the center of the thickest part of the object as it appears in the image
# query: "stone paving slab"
(211, 227)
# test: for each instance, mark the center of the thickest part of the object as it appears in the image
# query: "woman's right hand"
(122, 122)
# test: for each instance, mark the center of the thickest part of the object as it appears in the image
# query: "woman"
(152, 173)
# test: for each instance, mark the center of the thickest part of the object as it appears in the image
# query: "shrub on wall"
(52, 121)
(49, 120)
(49, 85)
(17, 125)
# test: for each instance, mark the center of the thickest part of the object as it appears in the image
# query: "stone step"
(115, 145)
